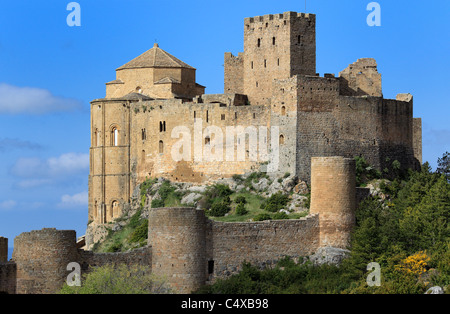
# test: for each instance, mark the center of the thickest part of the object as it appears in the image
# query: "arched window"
(283, 110)
(281, 139)
(273, 41)
(115, 136)
(114, 209)
(138, 90)
(144, 134)
(161, 147)
(259, 42)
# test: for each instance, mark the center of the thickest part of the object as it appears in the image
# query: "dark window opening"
(210, 267)
(273, 41)
(162, 126)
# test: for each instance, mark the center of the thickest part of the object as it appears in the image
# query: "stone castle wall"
(260, 243)
(190, 250)
(40, 259)
(331, 124)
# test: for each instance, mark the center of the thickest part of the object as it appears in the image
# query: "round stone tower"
(42, 257)
(178, 240)
(333, 197)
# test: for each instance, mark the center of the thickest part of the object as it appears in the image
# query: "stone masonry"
(155, 109)
(276, 107)
(190, 250)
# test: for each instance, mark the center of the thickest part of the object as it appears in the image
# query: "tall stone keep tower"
(275, 47)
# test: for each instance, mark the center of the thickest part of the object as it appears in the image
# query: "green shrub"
(276, 202)
(240, 210)
(140, 234)
(218, 190)
(240, 200)
(280, 215)
(165, 189)
(219, 209)
(115, 247)
(157, 203)
(364, 171)
(118, 279)
(262, 217)
(237, 178)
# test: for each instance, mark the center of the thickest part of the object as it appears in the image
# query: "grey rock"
(261, 185)
(197, 188)
(329, 255)
(191, 198)
(435, 290)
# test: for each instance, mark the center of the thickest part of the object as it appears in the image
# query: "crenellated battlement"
(277, 17)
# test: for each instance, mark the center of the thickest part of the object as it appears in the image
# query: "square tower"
(277, 47)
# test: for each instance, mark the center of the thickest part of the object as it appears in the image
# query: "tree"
(444, 165)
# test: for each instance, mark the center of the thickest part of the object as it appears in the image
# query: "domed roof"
(155, 58)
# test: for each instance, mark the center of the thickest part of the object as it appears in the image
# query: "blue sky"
(49, 72)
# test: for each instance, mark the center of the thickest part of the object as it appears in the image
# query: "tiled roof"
(155, 58)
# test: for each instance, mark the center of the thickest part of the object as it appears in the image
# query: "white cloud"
(32, 100)
(54, 167)
(6, 205)
(68, 163)
(74, 201)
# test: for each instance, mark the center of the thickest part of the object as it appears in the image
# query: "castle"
(319, 123)
(272, 85)
(190, 250)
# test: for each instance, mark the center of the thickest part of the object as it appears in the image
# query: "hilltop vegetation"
(254, 197)
(403, 227)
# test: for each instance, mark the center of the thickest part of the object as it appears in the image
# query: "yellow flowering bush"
(415, 264)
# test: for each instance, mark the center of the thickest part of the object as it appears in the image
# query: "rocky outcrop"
(329, 255)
